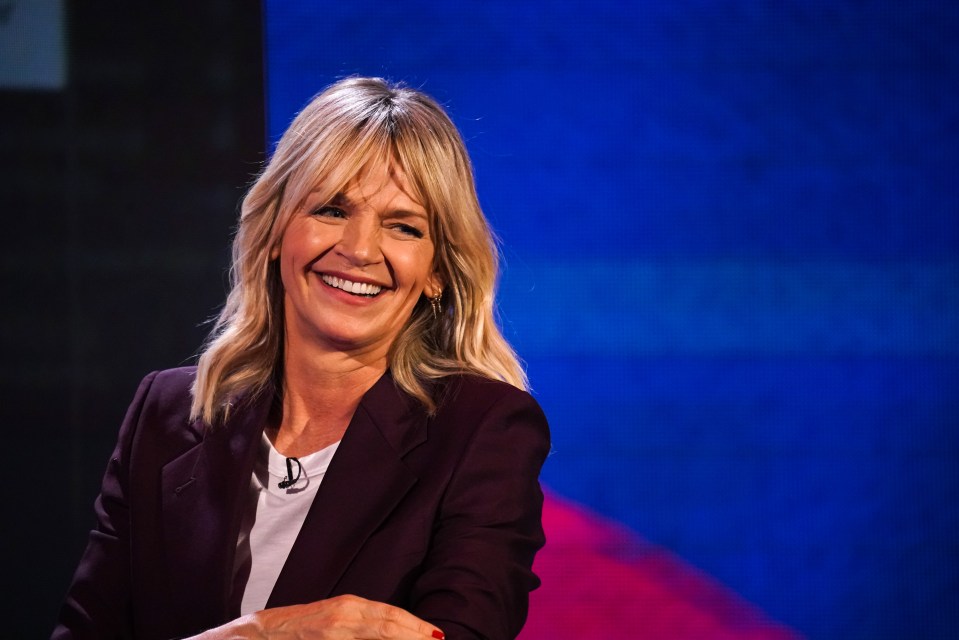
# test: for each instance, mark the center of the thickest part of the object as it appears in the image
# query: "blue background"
(731, 242)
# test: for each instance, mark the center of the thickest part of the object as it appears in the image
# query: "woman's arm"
(98, 602)
(477, 576)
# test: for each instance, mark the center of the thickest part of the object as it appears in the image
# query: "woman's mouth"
(356, 288)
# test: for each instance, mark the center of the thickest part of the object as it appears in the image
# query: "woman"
(354, 455)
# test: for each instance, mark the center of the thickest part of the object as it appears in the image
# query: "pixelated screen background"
(730, 237)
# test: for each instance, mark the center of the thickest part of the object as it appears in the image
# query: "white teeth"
(357, 288)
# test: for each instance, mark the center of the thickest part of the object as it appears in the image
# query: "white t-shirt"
(272, 521)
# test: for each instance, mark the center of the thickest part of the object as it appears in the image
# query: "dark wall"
(118, 196)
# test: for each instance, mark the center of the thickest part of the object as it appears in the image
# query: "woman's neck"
(320, 394)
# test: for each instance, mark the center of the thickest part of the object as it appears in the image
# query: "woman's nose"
(360, 242)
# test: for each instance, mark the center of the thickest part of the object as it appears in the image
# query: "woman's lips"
(356, 288)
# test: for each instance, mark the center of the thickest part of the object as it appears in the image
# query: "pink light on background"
(600, 580)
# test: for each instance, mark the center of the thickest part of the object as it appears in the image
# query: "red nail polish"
(439, 635)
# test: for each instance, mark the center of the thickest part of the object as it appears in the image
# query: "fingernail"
(439, 635)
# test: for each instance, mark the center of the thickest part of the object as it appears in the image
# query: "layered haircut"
(352, 124)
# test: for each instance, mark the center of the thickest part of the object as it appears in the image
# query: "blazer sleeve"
(478, 573)
(97, 605)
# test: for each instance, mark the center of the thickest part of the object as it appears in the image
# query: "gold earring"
(435, 304)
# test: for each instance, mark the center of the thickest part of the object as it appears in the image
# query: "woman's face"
(354, 267)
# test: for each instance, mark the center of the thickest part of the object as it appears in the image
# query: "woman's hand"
(339, 618)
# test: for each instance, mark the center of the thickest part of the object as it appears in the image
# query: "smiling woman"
(358, 347)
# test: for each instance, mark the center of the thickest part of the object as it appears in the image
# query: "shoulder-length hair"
(352, 123)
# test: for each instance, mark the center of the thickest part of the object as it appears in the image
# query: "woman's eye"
(329, 212)
(408, 230)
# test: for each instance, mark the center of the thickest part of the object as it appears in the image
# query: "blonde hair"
(352, 123)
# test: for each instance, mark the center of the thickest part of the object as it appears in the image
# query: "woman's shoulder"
(475, 393)
(167, 391)
(494, 415)
(176, 377)
(174, 382)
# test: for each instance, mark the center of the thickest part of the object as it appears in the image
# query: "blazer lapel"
(365, 481)
(203, 494)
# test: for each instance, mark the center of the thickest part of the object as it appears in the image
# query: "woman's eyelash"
(328, 210)
(410, 230)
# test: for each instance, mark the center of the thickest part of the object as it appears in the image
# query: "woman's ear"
(275, 252)
(434, 286)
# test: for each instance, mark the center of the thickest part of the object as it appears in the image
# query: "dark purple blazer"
(439, 515)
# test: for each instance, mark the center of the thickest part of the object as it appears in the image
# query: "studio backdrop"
(730, 239)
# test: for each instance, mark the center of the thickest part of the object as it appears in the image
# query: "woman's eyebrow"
(341, 200)
(406, 213)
